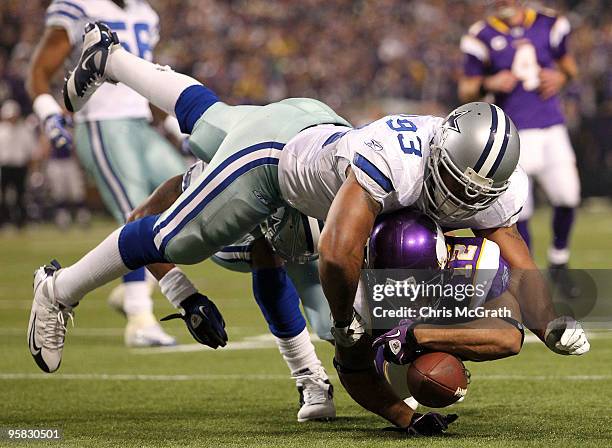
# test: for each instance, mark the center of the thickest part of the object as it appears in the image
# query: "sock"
(176, 94)
(523, 228)
(99, 266)
(160, 85)
(137, 293)
(279, 302)
(558, 256)
(298, 352)
(137, 298)
(563, 218)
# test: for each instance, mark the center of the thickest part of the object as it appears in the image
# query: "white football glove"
(347, 336)
(565, 336)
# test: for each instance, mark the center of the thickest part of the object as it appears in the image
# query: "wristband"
(176, 287)
(45, 105)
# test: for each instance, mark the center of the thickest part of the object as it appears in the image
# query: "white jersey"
(388, 157)
(138, 29)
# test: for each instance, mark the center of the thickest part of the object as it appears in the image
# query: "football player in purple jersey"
(521, 56)
(410, 243)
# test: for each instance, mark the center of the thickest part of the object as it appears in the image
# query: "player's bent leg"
(278, 300)
(305, 277)
(113, 153)
(279, 303)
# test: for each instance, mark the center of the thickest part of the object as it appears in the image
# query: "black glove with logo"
(203, 320)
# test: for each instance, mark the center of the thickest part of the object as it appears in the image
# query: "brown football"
(437, 379)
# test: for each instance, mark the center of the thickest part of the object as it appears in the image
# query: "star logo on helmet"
(452, 120)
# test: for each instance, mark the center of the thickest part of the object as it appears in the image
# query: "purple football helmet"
(406, 239)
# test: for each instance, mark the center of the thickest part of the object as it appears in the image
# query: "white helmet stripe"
(498, 141)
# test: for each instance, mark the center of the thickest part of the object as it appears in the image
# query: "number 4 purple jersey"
(492, 46)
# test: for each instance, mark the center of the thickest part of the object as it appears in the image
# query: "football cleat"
(90, 71)
(48, 318)
(143, 330)
(316, 395)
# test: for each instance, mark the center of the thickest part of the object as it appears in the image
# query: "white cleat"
(48, 318)
(143, 330)
(316, 395)
(90, 73)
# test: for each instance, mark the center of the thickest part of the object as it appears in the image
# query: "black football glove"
(430, 424)
(203, 320)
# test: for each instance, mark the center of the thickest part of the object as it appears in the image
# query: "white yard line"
(257, 377)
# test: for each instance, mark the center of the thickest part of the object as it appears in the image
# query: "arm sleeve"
(559, 35)
(69, 15)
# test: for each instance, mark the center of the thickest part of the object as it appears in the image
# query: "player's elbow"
(334, 248)
(507, 343)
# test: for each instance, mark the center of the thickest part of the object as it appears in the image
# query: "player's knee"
(136, 243)
(511, 344)
(192, 103)
(263, 255)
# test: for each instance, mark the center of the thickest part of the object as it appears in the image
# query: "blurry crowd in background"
(365, 58)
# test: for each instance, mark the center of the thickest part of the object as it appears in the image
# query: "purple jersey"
(478, 261)
(491, 46)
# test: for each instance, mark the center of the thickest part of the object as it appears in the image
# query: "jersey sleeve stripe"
(559, 30)
(61, 13)
(373, 172)
(73, 5)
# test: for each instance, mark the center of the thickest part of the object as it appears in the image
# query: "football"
(437, 379)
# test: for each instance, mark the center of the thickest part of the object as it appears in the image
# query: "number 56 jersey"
(137, 26)
(387, 156)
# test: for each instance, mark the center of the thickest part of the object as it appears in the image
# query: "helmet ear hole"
(474, 152)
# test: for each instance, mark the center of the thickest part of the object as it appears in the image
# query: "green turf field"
(107, 395)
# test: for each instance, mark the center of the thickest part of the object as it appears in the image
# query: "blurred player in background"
(520, 55)
(67, 187)
(112, 135)
(17, 145)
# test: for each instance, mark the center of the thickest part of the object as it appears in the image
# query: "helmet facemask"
(452, 194)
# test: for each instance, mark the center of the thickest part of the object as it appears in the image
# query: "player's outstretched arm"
(563, 334)
(341, 247)
(484, 339)
(528, 284)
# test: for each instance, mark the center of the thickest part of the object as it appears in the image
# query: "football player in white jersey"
(462, 170)
(112, 136)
